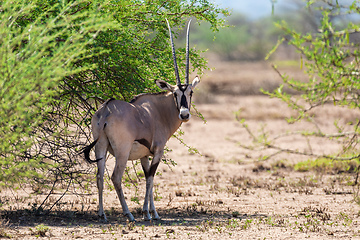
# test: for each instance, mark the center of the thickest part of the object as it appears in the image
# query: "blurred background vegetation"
(250, 39)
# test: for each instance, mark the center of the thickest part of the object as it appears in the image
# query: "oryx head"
(182, 92)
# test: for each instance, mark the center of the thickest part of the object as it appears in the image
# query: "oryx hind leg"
(100, 153)
(120, 165)
(149, 171)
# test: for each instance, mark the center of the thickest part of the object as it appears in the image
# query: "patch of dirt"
(225, 193)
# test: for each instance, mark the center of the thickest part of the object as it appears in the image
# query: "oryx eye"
(191, 93)
(175, 94)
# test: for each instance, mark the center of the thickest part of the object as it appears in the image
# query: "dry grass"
(256, 204)
(4, 228)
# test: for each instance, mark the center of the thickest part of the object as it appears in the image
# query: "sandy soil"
(224, 193)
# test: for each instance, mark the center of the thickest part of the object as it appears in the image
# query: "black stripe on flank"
(145, 142)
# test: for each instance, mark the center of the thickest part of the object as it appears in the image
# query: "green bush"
(35, 57)
(61, 59)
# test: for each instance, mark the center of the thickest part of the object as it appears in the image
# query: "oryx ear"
(195, 82)
(164, 85)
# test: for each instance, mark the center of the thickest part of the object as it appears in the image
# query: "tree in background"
(249, 39)
(61, 59)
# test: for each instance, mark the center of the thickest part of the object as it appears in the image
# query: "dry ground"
(225, 193)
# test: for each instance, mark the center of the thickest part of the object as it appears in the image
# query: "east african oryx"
(139, 129)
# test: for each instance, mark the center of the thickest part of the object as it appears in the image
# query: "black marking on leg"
(145, 172)
(153, 169)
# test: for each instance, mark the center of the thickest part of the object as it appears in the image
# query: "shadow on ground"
(169, 217)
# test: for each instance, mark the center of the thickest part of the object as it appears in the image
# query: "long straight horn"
(187, 55)
(178, 82)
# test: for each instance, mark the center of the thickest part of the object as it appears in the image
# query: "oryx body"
(137, 130)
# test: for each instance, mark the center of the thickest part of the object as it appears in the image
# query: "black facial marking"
(183, 87)
(176, 101)
(183, 101)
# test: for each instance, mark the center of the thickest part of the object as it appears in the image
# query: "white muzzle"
(184, 114)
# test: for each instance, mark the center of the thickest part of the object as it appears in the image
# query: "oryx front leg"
(149, 196)
(116, 177)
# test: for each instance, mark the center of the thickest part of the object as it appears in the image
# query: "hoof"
(130, 217)
(147, 216)
(155, 216)
(103, 218)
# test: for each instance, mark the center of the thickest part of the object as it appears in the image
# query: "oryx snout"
(184, 114)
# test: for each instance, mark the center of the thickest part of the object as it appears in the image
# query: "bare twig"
(58, 200)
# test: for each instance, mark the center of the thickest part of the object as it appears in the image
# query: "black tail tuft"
(86, 152)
